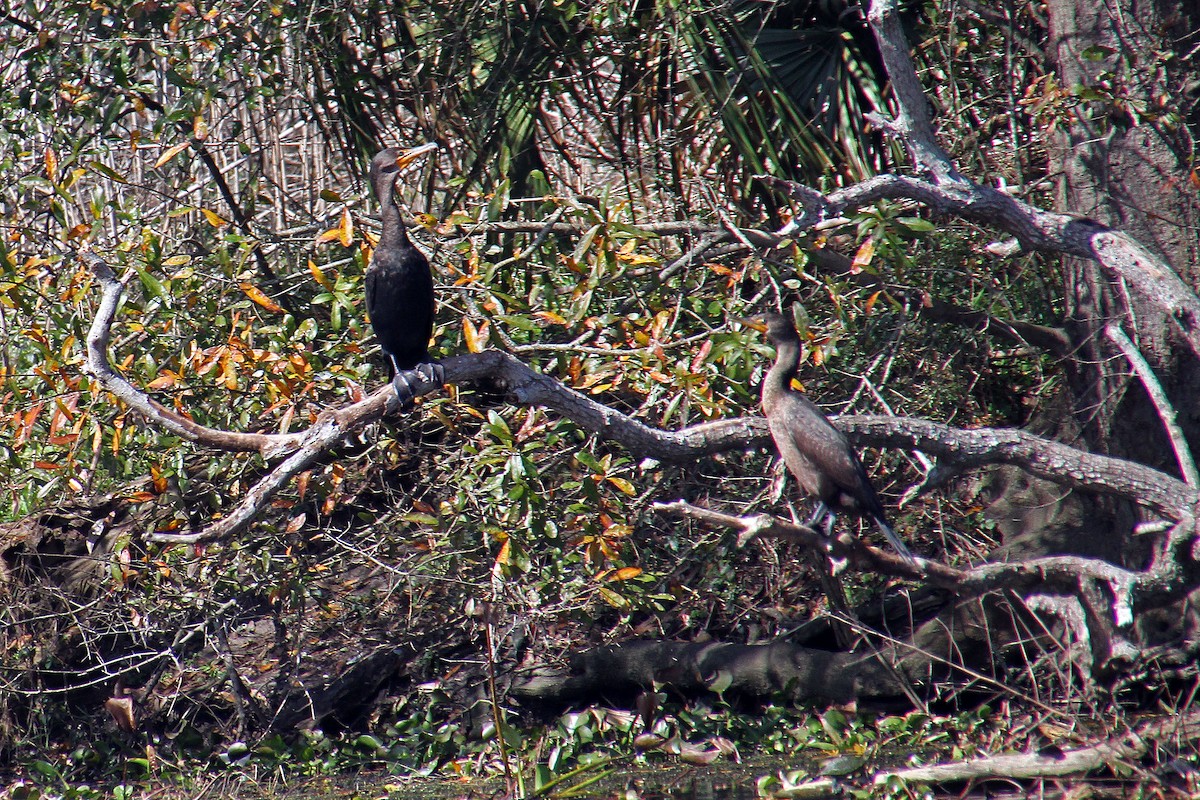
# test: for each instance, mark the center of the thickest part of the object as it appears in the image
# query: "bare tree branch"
(1158, 396)
(961, 448)
(98, 365)
(1060, 463)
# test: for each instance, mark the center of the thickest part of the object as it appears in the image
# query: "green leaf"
(151, 284)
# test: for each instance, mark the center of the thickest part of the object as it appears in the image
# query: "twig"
(1166, 411)
(541, 237)
(766, 526)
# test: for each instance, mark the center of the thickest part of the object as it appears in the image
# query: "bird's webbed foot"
(823, 516)
(431, 372)
(406, 382)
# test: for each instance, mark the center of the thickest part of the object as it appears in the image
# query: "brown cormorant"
(815, 452)
(399, 283)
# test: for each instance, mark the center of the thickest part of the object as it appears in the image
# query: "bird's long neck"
(778, 381)
(394, 233)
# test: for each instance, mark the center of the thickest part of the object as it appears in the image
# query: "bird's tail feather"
(895, 540)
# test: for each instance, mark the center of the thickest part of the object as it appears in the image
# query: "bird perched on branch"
(815, 452)
(399, 283)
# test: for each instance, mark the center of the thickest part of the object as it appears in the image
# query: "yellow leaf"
(636, 259)
(505, 553)
(476, 338)
(319, 276)
(550, 316)
(51, 165)
(624, 485)
(863, 257)
(200, 128)
(170, 153)
(214, 219)
(256, 294)
(613, 599)
(870, 304)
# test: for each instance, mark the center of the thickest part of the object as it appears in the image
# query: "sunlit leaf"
(170, 153)
(213, 218)
(870, 304)
(862, 258)
(612, 598)
(257, 295)
(476, 338)
(51, 165)
(624, 574)
(343, 232)
(319, 276)
(623, 485)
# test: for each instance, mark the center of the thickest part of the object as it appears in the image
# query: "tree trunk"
(1122, 161)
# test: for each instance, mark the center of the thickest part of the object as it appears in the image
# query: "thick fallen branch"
(621, 671)
(1080, 761)
(1115, 595)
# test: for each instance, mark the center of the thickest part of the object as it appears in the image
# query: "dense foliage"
(212, 154)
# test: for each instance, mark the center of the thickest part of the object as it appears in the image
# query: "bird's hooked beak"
(407, 157)
(753, 323)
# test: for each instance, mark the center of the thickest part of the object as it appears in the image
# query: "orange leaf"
(256, 294)
(302, 483)
(319, 276)
(870, 304)
(344, 232)
(505, 553)
(170, 153)
(157, 480)
(863, 257)
(476, 338)
(51, 165)
(623, 574)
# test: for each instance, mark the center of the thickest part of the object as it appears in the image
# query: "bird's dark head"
(780, 329)
(387, 165)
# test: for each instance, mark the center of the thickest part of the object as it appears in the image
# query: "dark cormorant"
(399, 283)
(815, 452)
